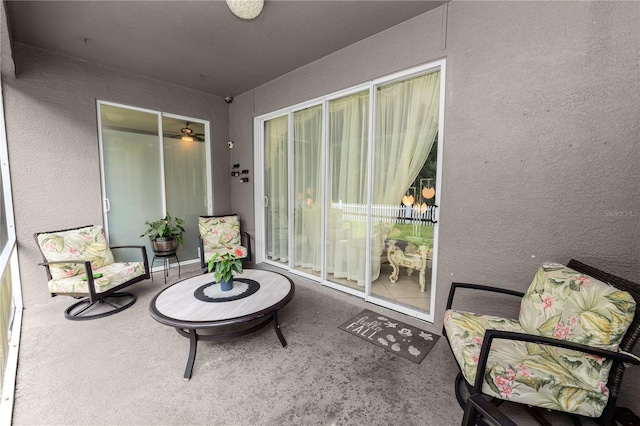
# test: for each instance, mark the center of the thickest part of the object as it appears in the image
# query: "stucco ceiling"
(201, 44)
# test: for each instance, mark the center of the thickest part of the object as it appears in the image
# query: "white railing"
(386, 213)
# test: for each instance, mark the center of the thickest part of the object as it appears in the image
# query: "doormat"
(402, 339)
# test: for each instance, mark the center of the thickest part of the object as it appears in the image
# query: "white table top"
(177, 302)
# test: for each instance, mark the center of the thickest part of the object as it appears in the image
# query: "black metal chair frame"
(75, 311)
(619, 359)
(247, 240)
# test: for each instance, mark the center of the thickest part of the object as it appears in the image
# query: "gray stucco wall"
(52, 134)
(542, 121)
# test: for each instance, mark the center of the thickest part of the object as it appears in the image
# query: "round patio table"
(197, 304)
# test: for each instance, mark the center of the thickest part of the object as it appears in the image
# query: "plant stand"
(165, 264)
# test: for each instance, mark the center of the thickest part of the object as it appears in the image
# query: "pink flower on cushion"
(511, 375)
(524, 371)
(561, 331)
(477, 340)
(73, 251)
(547, 302)
(239, 252)
(596, 358)
(474, 359)
(502, 382)
(573, 321)
(604, 389)
(69, 272)
(583, 280)
(507, 391)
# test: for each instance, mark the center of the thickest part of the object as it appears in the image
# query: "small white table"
(179, 307)
(412, 258)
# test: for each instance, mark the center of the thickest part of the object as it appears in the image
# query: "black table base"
(194, 338)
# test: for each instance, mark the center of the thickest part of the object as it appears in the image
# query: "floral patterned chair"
(222, 234)
(79, 263)
(567, 350)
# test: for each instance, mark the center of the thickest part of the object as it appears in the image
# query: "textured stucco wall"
(53, 144)
(541, 141)
(242, 154)
(541, 131)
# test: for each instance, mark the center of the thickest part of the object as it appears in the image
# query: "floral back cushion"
(87, 243)
(220, 232)
(566, 304)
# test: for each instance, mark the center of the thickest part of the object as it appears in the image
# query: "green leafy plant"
(164, 228)
(224, 265)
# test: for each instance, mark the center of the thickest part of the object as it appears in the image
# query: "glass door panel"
(132, 173)
(347, 178)
(185, 169)
(406, 128)
(308, 191)
(276, 184)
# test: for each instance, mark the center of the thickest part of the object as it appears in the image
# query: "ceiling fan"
(187, 134)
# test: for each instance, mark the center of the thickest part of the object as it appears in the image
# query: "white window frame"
(9, 257)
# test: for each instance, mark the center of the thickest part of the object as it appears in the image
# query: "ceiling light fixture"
(246, 9)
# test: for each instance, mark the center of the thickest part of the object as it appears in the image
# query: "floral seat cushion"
(221, 235)
(560, 303)
(113, 275)
(566, 304)
(87, 243)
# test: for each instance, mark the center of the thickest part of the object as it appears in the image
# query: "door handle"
(266, 202)
(433, 214)
(107, 205)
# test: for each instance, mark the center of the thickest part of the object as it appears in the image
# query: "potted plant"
(223, 266)
(165, 235)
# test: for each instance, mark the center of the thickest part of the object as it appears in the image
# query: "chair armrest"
(87, 263)
(477, 404)
(490, 335)
(143, 253)
(248, 246)
(119, 247)
(87, 268)
(454, 286)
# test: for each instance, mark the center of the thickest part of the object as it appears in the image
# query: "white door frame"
(259, 194)
(160, 115)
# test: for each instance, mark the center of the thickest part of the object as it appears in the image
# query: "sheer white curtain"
(307, 170)
(407, 115)
(348, 177)
(276, 184)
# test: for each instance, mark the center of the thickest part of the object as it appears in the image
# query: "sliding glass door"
(406, 126)
(347, 179)
(276, 189)
(152, 164)
(351, 187)
(133, 188)
(308, 190)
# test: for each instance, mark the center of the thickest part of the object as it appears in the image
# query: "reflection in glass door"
(185, 170)
(276, 184)
(307, 188)
(133, 186)
(347, 177)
